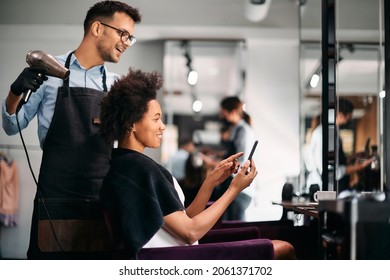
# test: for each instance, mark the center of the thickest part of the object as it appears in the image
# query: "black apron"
(67, 217)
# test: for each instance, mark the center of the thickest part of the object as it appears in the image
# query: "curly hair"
(127, 102)
(106, 9)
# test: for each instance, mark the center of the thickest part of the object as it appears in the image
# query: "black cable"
(35, 180)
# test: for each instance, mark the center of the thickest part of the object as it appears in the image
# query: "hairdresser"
(75, 157)
(242, 138)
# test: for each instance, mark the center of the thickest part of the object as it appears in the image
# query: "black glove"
(31, 78)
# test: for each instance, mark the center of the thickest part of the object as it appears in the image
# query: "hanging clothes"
(9, 192)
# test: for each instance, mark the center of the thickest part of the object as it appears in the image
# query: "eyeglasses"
(123, 34)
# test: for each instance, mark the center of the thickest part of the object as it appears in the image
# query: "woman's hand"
(245, 176)
(224, 169)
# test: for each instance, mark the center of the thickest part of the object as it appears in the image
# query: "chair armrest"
(268, 229)
(230, 234)
(254, 249)
(237, 223)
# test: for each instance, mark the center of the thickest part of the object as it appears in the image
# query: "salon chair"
(303, 238)
(253, 249)
(218, 244)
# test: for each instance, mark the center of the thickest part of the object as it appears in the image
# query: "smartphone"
(253, 150)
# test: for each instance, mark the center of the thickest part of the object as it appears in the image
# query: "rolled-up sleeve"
(9, 121)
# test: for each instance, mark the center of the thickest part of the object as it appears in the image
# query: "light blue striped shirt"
(42, 102)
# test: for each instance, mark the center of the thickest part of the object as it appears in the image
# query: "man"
(75, 156)
(344, 170)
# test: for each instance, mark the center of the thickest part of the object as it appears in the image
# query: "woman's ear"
(132, 128)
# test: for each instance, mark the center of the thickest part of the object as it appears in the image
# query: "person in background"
(313, 174)
(179, 159)
(75, 156)
(315, 121)
(197, 167)
(145, 198)
(195, 173)
(242, 139)
(344, 170)
(227, 145)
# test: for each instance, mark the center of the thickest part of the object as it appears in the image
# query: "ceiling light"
(382, 94)
(197, 106)
(256, 10)
(314, 80)
(192, 77)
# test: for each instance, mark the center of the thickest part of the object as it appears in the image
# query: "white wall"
(272, 99)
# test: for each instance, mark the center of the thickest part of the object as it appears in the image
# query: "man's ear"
(96, 28)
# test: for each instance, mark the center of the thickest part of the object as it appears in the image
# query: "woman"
(241, 138)
(142, 194)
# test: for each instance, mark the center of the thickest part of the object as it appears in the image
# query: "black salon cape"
(139, 192)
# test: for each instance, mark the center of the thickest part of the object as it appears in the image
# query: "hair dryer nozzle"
(47, 61)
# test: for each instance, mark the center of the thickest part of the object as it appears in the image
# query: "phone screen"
(253, 150)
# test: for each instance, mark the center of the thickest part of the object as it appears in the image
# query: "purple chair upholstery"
(267, 229)
(220, 249)
(238, 223)
(303, 238)
(254, 249)
(230, 234)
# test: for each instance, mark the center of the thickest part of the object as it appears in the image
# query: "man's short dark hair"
(345, 106)
(106, 9)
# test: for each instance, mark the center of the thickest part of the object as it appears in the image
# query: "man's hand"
(31, 78)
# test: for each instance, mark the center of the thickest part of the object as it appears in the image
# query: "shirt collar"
(73, 61)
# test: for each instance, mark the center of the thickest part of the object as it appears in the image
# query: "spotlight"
(314, 80)
(197, 106)
(192, 77)
(256, 10)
